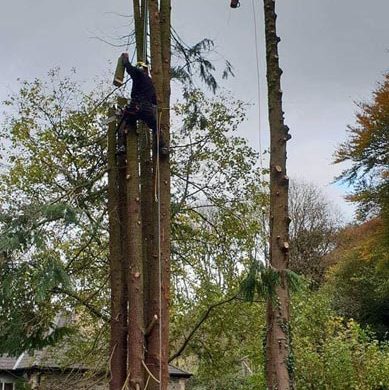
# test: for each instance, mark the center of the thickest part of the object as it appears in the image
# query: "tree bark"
(135, 277)
(146, 168)
(165, 178)
(118, 337)
(153, 341)
(139, 8)
(279, 371)
(159, 281)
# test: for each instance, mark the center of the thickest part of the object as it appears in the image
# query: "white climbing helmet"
(142, 65)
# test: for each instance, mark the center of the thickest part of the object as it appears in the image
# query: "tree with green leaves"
(360, 273)
(53, 213)
(359, 276)
(68, 169)
(367, 149)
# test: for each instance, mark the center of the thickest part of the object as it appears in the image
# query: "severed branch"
(150, 327)
(83, 302)
(203, 318)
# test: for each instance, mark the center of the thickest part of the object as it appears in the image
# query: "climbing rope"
(159, 247)
(258, 85)
(145, 31)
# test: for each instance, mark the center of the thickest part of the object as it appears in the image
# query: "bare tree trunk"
(278, 350)
(165, 208)
(139, 8)
(135, 277)
(158, 338)
(146, 168)
(118, 339)
(153, 341)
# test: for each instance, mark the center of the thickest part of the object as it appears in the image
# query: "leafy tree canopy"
(54, 218)
(359, 280)
(367, 149)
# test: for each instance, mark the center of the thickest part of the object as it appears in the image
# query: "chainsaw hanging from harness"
(143, 104)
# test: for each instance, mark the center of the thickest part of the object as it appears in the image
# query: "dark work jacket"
(142, 86)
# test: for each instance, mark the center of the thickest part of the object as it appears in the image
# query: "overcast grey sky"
(333, 52)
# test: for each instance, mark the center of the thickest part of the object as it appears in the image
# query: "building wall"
(177, 384)
(4, 378)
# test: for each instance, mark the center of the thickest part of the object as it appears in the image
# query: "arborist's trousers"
(144, 111)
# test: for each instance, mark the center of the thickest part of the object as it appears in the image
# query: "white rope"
(258, 85)
(159, 249)
(263, 214)
(145, 31)
(150, 374)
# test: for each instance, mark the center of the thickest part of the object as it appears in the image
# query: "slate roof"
(40, 359)
(178, 373)
(7, 363)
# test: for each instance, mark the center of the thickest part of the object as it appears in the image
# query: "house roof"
(177, 372)
(46, 360)
(7, 363)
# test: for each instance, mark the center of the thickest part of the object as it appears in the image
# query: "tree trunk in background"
(135, 254)
(279, 369)
(118, 337)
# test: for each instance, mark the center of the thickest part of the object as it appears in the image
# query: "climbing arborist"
(143, 103)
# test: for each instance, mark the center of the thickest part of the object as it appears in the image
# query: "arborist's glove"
(125, 59)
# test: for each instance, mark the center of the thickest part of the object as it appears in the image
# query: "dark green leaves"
(23, 229)
(263, 280)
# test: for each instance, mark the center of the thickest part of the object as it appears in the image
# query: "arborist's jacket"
(142, 86)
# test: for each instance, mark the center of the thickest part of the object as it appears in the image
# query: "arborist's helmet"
(143, 66)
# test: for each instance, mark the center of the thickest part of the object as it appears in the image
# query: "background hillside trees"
(360, 277)
(314, 225)
(367, 149)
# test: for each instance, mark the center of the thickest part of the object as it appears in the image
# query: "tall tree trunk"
(146, 168)
(165, 207)
(278, 350)
(153, 340)
(118, 339)
(139, 9)
(135, 277)
(158, 338)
